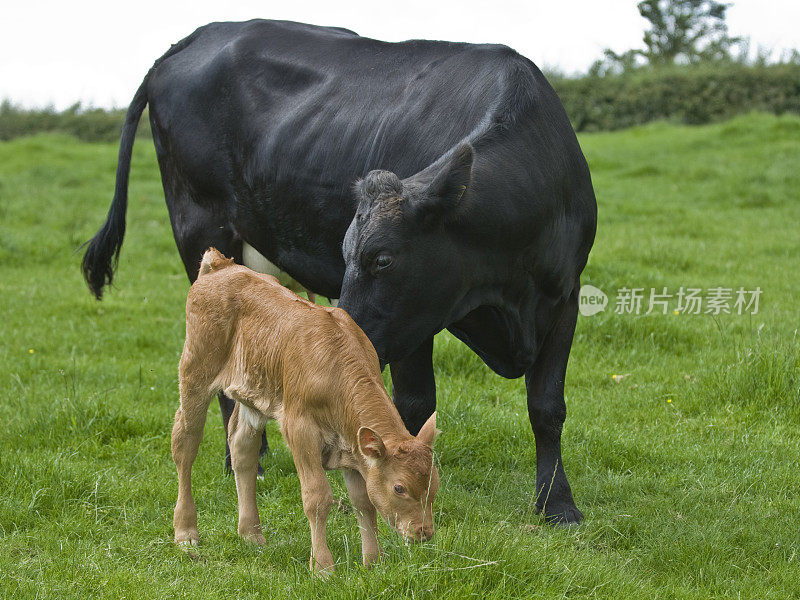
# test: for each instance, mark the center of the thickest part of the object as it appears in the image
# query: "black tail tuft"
(102, 255)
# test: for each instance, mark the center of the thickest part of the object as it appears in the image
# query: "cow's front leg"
(547, 411)
(366, 514)
(414, 387)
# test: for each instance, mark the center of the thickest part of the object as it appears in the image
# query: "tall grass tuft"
(764, 376)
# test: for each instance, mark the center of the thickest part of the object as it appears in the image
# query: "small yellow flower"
(669, 400)
(676, 311)
(30, 351)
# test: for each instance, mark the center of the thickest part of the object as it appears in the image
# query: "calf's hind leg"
(187, 432)
(244, 428)
(196, 228)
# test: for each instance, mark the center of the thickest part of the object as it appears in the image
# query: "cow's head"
(402, 480)
(403, 269)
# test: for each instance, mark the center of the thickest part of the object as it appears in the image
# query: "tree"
(685, 31)
(681, 31)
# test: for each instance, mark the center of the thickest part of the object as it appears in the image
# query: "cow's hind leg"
(547, 411)
(196, 229)
(186, 435)
(414, 387)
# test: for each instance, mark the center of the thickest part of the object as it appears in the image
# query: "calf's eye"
(399, 489)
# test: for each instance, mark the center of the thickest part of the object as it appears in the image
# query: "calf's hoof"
(257, 539)
(372, 559)
(560, 514)
(187, 538)
(250, 531)
(321, 569)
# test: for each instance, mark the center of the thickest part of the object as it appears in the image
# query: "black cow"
(472, 208)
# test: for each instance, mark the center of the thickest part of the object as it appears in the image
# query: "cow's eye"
(383, 261)
(399, 489)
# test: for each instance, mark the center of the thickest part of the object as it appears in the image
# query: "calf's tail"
(102, 253)
(213, 260)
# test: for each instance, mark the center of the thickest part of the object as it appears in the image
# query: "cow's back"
(269, 123)
(325, 97)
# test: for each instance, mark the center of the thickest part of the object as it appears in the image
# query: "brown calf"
(313, 370)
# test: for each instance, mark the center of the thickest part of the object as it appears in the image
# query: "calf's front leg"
(226, 406)
(317, 501)
(366, 515)
(303, 440)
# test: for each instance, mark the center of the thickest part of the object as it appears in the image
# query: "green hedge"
(691, 94)
(89, 124)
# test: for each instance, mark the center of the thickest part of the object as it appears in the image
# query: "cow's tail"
(102, 253)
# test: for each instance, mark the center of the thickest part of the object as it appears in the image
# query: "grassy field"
(687, 468)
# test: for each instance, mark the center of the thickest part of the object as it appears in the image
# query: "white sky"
(59, 52)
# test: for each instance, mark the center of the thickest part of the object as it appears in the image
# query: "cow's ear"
(450, 184)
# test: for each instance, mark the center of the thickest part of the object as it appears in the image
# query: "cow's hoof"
(260, 471)
(561, 515)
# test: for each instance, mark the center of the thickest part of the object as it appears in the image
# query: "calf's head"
(403, 268)
(402, 480)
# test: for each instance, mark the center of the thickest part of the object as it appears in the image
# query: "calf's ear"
(370, 444)
(450, 184)
(428, 433)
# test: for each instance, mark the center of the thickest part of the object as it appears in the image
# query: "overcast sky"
(97, 52)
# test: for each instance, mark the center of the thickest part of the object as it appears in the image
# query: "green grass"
(686, 470)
